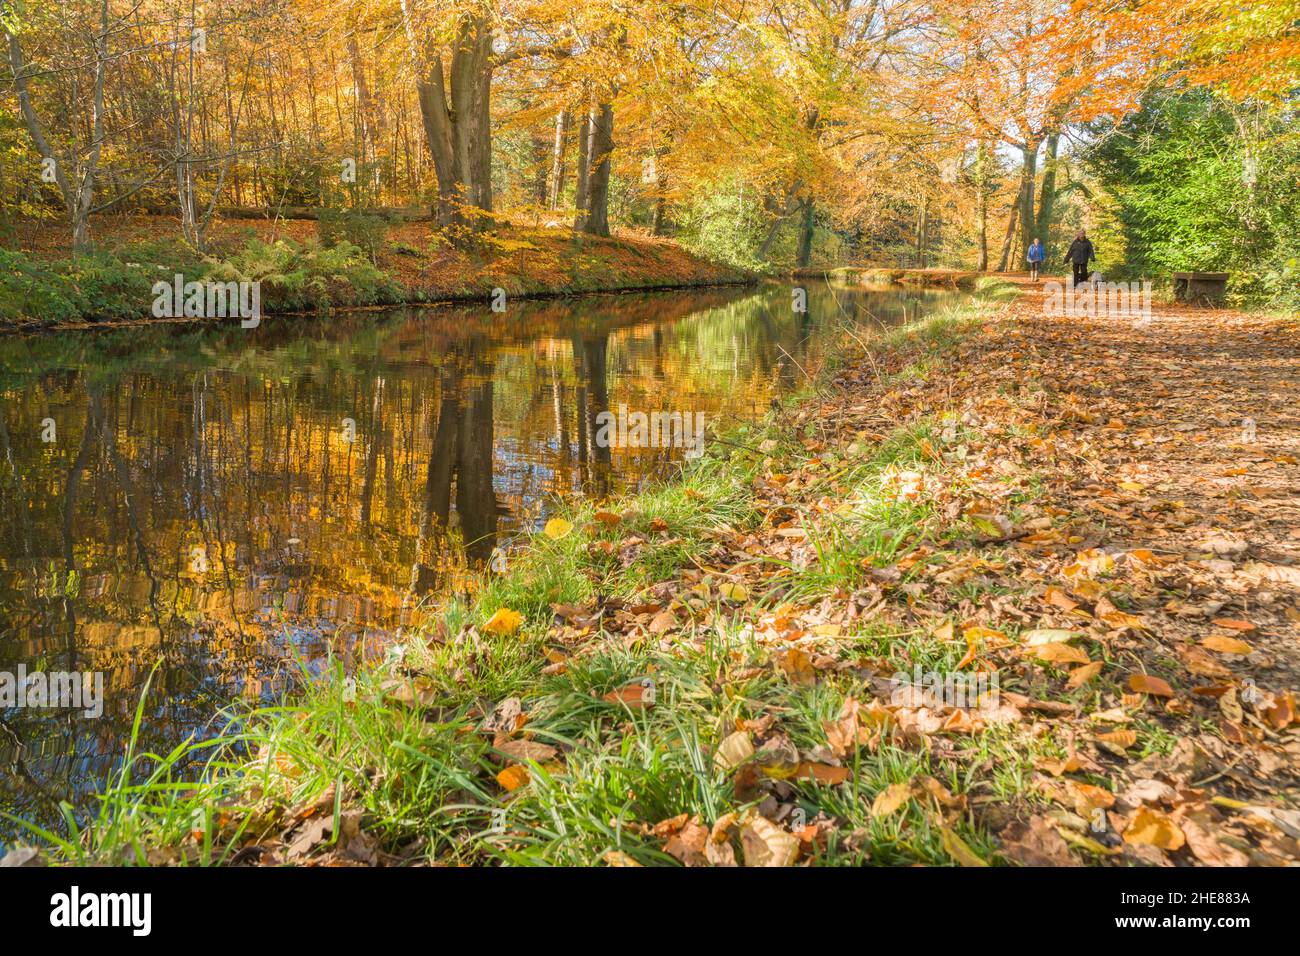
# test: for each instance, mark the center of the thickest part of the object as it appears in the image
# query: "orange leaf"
(513, 777)
(1120, 738)
(1058, 653)
(1081, 675)
(1233, 624)
(822, 772)
(1154, 828)
(1226, 645)
(1147, 684)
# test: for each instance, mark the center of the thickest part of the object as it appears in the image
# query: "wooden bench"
(1201, 288)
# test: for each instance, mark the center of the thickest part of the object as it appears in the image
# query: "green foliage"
(95, 286)
(304, 276)
(724, 223)
(1199, 184)
(106, 285)
(363, 229)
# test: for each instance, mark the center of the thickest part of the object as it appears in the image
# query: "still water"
(230, 501)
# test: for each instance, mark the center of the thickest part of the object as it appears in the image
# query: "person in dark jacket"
(1080, 254)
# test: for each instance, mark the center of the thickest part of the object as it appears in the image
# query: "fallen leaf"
(619, 858)
(1147, 684)
(1057, 653)
(527, 750)
(557, 528)
(513, 777)
(736, 593)
(890, 799)
(734, 751)
(1233, 624)
(958, 850)
(765, 844)
(1226, 645)
(504, 621)
(1081, 675)
(1151, 827)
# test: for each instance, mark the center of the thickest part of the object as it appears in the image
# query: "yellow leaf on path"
(1058, 598)
(557, 528)
(504, 621)
(513, 777)
(958, 850)
(736, 593)
(1226, 645)
(1132, 486)
(1151, 827)
(1057, 767)
(890, 799)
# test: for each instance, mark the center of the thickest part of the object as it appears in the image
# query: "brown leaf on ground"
(1036, 843)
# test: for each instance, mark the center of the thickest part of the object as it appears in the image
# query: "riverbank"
(316, 266)
(705, 673)
(932, 278)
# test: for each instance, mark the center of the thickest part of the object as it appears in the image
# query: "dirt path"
(1168, 447)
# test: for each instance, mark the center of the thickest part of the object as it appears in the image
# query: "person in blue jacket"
(1036, 256)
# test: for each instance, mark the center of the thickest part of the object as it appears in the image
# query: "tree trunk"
(456, 114)
(806, 234)
(982, 208)
(371, 122)
(1028, 175)
(584, 169)
(557, 159)
(1012, 219)
(659, 222)
(1047, 197)
(78, 191)
(922, 234)
(596, 221)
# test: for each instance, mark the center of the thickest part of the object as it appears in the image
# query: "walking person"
(1080, 253)
(1035, 255)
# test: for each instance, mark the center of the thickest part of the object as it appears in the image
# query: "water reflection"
(230, 501)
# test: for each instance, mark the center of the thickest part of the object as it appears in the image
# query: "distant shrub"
(363, 229)
(92, 286)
